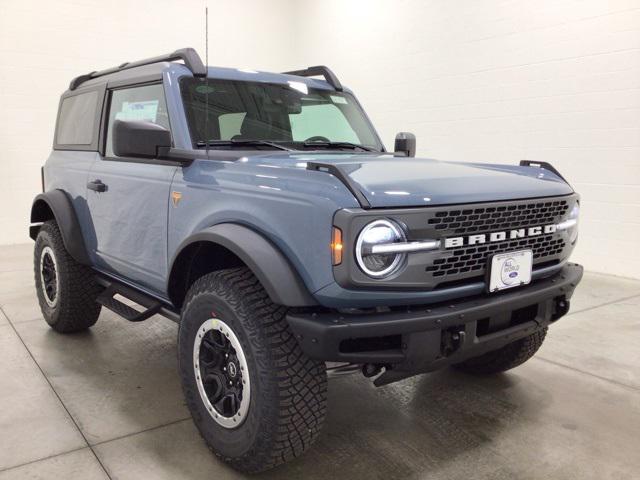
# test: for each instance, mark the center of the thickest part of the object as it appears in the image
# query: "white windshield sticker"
(144, 111)
(338, 99)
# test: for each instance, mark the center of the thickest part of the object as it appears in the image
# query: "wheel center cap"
(232, 369)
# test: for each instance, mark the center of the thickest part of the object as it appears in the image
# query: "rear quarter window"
(76, 120)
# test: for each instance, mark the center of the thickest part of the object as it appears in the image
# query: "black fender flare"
(276, 274)
(58, 203)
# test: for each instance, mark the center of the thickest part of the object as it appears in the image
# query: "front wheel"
(505, 358)
(256, 399)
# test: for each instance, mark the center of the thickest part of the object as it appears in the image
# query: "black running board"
(150, 305)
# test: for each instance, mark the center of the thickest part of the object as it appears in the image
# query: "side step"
(107, 299)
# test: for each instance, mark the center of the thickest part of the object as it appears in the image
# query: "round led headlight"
(571, 223)
(574, 215)
(379, 232)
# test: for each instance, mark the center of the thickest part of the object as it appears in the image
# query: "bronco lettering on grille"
(480, 238)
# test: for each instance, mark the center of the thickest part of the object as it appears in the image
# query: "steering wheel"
(317, 138)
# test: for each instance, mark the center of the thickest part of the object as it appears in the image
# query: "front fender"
(56, 204)
(278, 277)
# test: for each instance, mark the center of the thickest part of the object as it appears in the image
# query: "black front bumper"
(422, 339)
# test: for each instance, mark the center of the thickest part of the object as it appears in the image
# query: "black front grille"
(474, 258)
(485, 219)
(470, 262)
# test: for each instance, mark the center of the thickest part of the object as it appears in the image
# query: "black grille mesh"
(471, 220)
(471, 261)
(474, 259)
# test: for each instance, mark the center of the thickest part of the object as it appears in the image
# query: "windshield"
(292, 115)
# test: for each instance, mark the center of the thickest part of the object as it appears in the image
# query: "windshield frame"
(197, 144)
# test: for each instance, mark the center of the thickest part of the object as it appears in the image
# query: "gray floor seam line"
(605, 379)
(103, 442)
(56, 394)
(28, 321)
(49, 457)
(612, 302)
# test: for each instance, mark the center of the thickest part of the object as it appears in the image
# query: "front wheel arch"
(231, 245)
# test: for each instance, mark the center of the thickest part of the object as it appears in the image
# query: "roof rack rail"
(326, 72)
(188, 55)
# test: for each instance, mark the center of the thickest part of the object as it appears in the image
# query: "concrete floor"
(107, 403)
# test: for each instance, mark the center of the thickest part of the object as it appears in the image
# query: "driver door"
(128, 198)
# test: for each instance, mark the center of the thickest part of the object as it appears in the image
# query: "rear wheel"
(505, 358)
(66, 289)
(256, 399)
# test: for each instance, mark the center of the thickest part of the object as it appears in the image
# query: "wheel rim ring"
(48, 262)
(238, 417)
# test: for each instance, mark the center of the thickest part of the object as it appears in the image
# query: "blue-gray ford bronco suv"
(262, 213)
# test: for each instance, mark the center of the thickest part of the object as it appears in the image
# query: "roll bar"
(323, 71)
(189, 56)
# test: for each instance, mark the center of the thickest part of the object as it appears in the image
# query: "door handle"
(97, 186)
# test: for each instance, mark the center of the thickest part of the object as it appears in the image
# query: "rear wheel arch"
(56, 205)
(40, 212)
(231, 245)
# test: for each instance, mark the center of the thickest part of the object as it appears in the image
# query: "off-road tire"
(288, 390)
(505, 358)
(75, 307)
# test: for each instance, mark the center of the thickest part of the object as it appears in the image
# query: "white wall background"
(476, 80)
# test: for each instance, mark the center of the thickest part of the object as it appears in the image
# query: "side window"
(144, 103)
(77, 119)
(230, 124)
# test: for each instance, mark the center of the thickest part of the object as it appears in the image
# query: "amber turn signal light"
(336, 246)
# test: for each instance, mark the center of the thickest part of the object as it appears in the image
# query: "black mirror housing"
(405, 145)
(132, 138)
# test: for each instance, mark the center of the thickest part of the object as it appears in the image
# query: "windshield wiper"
(241, 143)
(339, 145)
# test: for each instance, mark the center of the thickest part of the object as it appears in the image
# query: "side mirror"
(405, 145)
(133, 138)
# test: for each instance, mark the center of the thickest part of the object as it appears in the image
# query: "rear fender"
(56, 205)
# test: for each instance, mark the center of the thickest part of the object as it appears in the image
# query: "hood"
(388, 181)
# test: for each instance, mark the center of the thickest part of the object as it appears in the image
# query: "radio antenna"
(206, 79)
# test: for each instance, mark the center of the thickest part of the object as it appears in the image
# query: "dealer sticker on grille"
(510, 269)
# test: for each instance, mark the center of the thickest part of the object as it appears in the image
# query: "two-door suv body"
(262, 213)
